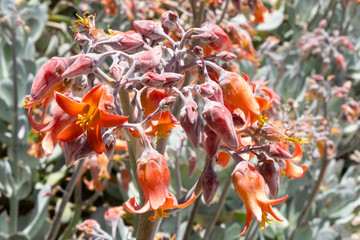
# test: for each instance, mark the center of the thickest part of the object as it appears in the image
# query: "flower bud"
(190, 121)
(172, 79)
(81, 39)
(147, 61)
(83, 65)
(219, 119)
(226, 56)
(217, 39)
(209, 181)
(47, 77)
(169, 20)
(270, 170)
(149, 29)
(121, 41)
(166, 103)
(152, 79)
(211, 141)
(198, 51)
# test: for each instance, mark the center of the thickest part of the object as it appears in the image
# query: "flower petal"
(69, 106)
(248, 221)
(110, 120)
(93, 96)
(133, 207)
(70, 132)
(297, 155)
(95, 140)
(294, 170)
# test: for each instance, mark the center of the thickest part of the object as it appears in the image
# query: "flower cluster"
(145, 94)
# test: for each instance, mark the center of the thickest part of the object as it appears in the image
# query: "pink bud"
(190, 121)
(166, 103)
(147, 61)
(48, 75)
(210, 90)
(219, 119)
(169, 19)
(198, 51)
(226, 56)
(211, 141)
(121, 41)
(152, 79)
(81, 39)
(149, 29)
(209, 181)
(172, 79)
(83, 65)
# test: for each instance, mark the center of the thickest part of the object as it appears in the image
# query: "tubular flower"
(250, 187)
(48, 80)
(161, 124)
(91, 116)
(238, 94)
(154, 179)
(291, 169)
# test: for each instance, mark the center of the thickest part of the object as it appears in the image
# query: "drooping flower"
(154, 179)
(238, 94)
(250, 187)
(292, 170)
(48, 80)
(91, 116)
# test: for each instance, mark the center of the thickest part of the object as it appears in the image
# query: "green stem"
(191, 220)
(219, 207)
(14, 202)
(77, 213)
(66, 197)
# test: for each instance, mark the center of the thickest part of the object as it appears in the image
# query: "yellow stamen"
(265, 219)
(85, 120)
(262, 120)
(159, 213)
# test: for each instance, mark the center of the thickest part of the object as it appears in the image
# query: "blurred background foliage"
(312, 81)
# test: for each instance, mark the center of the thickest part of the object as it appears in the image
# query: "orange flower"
(161, 124)
(291, 169)
(91, 116)
(154, 179)
(250, 187)
(237, 93)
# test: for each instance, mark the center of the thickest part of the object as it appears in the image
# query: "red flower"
(91, 117)
(250, 187)
(154, 179)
